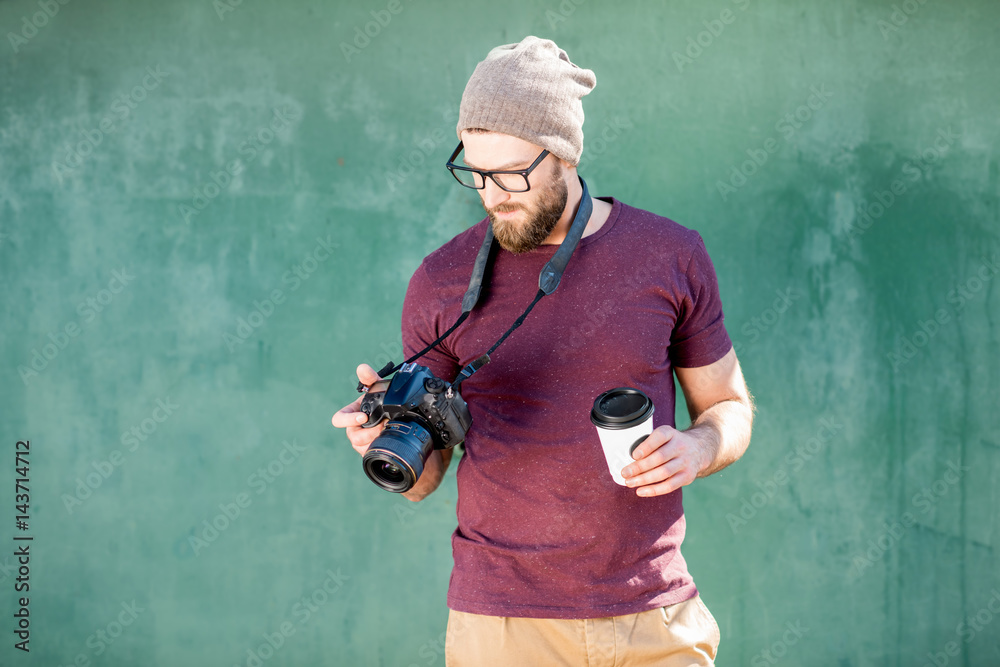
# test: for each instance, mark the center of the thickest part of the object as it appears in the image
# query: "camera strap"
(548, 281)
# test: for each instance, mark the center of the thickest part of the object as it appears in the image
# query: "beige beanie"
(529, 90)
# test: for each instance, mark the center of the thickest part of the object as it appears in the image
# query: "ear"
(566, 170)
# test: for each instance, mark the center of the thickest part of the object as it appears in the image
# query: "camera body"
(424, 412)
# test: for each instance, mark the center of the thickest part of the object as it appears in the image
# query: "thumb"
(367, 374)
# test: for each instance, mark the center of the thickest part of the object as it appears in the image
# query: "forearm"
(430, 478)
(724, 433)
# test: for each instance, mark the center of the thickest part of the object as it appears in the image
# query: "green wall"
(865, 318)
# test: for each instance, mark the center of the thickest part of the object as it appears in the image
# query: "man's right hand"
(350, 416)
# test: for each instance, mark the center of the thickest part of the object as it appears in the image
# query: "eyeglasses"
(511, 181)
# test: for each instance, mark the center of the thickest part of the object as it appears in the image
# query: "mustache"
(505, 208)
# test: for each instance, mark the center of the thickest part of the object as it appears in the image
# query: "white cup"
(623, 417)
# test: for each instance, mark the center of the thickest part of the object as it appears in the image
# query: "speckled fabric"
(543, 531)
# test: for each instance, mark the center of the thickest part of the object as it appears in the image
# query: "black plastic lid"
(621, 408)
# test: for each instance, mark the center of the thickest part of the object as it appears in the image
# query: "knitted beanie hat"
(529, 90)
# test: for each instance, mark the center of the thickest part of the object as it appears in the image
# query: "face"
(521, 220)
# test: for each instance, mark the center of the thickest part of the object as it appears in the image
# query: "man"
(555, 563)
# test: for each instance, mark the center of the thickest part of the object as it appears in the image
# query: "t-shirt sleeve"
(422, 324)
(699, 337)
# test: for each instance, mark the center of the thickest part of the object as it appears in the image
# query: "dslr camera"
(425, 413)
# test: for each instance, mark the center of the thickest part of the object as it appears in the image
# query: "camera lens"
(395, 459)
(389, 472)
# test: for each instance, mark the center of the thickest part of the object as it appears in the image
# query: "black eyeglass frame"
(452, 167)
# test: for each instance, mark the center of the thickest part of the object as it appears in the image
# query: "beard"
(523, 236)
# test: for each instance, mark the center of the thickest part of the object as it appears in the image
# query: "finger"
(668, 485)
(654, 441)
(346, 420)
(367, 374)
(657, 457)
(349, 415)
(362, 438)
(661, 470)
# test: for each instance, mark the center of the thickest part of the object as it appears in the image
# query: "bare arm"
(434, 470)
(721, 410)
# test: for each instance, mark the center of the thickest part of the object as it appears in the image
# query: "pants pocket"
(710, 621)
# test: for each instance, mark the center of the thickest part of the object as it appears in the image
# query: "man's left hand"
(667, 460)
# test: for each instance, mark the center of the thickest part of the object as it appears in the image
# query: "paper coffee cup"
(623, 417)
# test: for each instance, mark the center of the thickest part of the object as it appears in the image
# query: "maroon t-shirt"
(543, 531)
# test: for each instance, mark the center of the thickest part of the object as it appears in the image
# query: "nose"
(493, 195)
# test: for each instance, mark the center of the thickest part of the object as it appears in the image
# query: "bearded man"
(554, 562)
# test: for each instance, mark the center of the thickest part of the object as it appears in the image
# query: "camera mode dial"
(434, 385)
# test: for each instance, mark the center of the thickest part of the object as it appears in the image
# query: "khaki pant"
(680, 635)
